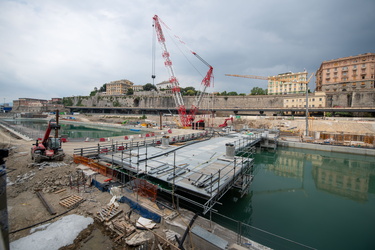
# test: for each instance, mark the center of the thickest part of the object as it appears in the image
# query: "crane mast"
(186, 119)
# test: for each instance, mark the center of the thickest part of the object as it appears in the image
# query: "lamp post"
(307, 104)
(307, 109)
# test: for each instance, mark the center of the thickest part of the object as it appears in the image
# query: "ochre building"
(287, 83)
(353, 73)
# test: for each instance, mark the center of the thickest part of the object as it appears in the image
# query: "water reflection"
(335, 173)
(344, 177)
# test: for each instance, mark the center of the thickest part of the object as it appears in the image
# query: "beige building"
(164, 85)
(119, 87)
(287, 83)
(315, 100)
(137, 88)
(347, 74)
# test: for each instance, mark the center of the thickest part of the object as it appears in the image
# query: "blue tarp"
(141, 210)
(101, 186)
(104, 187)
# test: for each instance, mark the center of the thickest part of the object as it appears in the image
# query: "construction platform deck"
(207, 167)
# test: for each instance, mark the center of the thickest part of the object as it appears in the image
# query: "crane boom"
(186, 119)
(271, 78)
(168, 63)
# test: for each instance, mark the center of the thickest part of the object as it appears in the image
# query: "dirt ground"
(25, 208)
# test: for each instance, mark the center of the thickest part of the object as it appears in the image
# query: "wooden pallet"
(71, 201)
(108, 213)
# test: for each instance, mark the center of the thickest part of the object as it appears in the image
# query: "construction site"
(156, 189)
(168, 176)
(186, 162)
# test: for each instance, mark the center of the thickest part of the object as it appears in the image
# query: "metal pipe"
(4, 226)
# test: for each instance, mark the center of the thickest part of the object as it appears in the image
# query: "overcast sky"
(65, 48)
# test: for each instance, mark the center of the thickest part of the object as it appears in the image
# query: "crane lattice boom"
(271, 78)
(186, 119)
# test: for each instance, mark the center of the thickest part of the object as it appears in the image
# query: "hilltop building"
(137, 88)
(37, 105)
(119, 87)
(353, 73)
(287, 83)
(164, 85)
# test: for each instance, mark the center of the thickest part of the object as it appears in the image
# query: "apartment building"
(287, 83)
(119, 87)
(315, 100)
(351, 73)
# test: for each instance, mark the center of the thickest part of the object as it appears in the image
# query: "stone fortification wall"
(343, 99)
(351, 99)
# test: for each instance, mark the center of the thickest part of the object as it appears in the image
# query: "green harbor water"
(70, 130)
(320, 199)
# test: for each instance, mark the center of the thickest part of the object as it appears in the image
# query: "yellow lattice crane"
(255, 77)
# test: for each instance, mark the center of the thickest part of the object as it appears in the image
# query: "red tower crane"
(185, 118)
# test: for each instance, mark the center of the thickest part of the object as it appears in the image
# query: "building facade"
(315, 100)
(119, 87)
(137, 88)
(287, 83)
(164, 85)
(31, 105)
(354, 73)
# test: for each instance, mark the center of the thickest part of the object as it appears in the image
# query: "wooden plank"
(59, 191)
(45, 203)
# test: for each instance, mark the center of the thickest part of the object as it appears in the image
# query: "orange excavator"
(50, 147)
(225, 122)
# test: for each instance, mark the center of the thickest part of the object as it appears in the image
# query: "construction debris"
(139, 238)
(108, 213)
(144, 223)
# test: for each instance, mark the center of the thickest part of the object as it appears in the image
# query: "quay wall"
(329, 148)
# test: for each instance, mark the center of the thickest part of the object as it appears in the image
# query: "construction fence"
(342, 139)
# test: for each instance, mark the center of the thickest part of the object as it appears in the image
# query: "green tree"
(130, 91)
(188, 91)
(223, 93)
(149, 87)
(232, 93)
(103, 88)
(67, 101)
(258, 91)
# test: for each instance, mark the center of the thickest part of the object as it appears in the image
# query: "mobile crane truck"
(50, 147)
